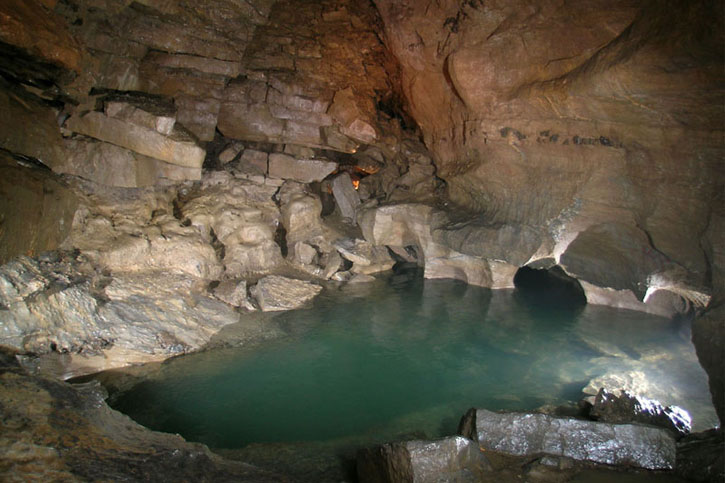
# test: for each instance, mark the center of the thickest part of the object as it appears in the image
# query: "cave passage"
(405, 356)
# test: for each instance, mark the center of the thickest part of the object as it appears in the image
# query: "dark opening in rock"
(550, 286)
(280, 238)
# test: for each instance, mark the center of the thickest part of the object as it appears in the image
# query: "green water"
(407, 357)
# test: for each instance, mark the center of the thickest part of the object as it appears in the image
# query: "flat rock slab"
(302, 170)
(612, 444)
(275, 293)
(345, 195)
(449, 459)
(177, 148)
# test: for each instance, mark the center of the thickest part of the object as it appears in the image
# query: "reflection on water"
(404, 356)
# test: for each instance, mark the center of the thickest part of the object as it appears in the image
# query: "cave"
(182, 180)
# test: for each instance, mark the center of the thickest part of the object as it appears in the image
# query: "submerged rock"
(281, 293)
(612, 444)
(630, 408)
(449, 459)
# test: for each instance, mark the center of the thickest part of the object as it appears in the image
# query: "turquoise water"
(405, 356)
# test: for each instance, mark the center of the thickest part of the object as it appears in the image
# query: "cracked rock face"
(613, 444)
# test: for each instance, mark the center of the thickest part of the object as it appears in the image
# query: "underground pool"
(405, 357)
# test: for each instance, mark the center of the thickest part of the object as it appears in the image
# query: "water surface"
(405, 357)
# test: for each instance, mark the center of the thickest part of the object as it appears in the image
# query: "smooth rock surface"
(613, 444)
(345, 195)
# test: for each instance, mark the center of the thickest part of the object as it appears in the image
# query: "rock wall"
(594, 131)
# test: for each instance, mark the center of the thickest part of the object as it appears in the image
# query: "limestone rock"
(345, 195)
(161, 121)
(107, 445)
(38, 31)
(366, 258)
(345, 110)
(105, 323)
(230, 153)
(112, 165)
(233, 292)
(241, 216)
(301, 170)
(178, 148)
(36, 209)
(274, 293)
(300, 213)
(613, 444)
(630, 408)
(253, 161)
(449, 459)
(27, 127)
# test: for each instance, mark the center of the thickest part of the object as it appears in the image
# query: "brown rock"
(178, 148)
(38, 31)
(36, 210)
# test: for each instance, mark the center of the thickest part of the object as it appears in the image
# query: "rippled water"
(407, 357)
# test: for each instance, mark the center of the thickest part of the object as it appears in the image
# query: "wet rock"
(613, 444)
(345, 195)
(630, 408)
(178, 148)
(449, 459)
(701, 456)
(301, 170)
(366, 258)
(708, 336)
(274, 293)
(55, 431)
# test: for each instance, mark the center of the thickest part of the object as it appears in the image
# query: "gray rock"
(303, 170)
(304, 253)
(612, 444)
(254, 161)
(233, 292)
(345, 195)
(629, 408)
(275, 293)
(366, 257)
(449, 459)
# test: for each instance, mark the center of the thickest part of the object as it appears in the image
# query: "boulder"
(346, 196)
(448, 459)
(112, 165)
(301, 170)
(275, 293)
(233, 292)
(177, 148)
(346, 111)
(630, 408)
(300, 213)
(612, 444)
(366, 257)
